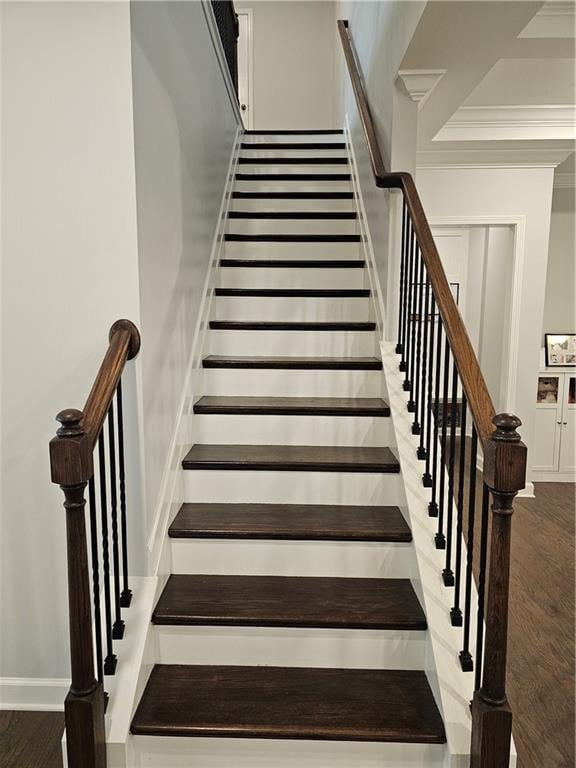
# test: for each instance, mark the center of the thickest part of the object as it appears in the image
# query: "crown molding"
(420, 82)
(492, 158)
(538, 122)
(564, 181)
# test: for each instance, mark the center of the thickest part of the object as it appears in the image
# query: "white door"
(245, 89)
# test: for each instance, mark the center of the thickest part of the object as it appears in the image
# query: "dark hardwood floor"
(541, 647)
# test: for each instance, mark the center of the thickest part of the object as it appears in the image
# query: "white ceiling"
(509, 82)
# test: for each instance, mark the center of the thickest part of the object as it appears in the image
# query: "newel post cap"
(506, 425)
(70, 419)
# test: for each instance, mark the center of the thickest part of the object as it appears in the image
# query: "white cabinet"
(554, 449)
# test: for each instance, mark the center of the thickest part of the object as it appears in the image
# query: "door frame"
(518, 224)
(248, 12)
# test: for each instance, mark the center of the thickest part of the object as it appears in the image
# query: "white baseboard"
(33, 693)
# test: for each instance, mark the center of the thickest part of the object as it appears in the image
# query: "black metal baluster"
(413, 317)
(416, 378)
(421, 452)
(408, 335)
(465, 656)
(401, 306)
(427, 477)
(456, 613)
(126, 596)
(110, 660)
(118, 628)
(447, 574)
(406, 297)
(95, 578)
(482, 585)
(442, 412)
(433, 505)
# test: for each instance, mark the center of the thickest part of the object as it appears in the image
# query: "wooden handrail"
(72, 449)
(72, 468)
(359, 88)
(473, 382)
(504, 469)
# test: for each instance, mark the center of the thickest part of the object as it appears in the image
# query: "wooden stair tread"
(302, 160)
(289, 601)
(292, 703)
(288, 215)
(295, 363)
(293, 177)
(309, 293)
(306, 406)
(291, 238)
(291, 325)
(298, 522)
(241, 195)
(294, 145)
(295, 263)
(303, 458)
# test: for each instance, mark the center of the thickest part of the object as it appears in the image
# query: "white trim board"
(33, 693)
(511, 123)
(170, 495)
(518, 222)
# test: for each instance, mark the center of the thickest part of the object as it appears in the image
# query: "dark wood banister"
(504, 470)
(72, 467)
(479, 399)
(72, 449)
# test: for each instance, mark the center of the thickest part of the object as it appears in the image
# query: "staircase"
(292, 609)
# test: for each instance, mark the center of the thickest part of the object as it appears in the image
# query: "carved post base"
(85, 732)
(491, 734)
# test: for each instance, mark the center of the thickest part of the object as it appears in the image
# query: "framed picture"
(560, 349)
(547, 389)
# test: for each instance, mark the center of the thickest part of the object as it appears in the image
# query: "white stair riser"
(293, 226)
(279, 383)
(255, 153)
(174, 752)
(298, 168)
(287, 277)
(292, 185)
(288, 487)
(292, 204)
(264, 250)
(291, 430)
(291, 308)
(293, 343)
(343, 559)
(285, 647)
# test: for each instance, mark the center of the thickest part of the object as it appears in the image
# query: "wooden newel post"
(71, 465)
(505, 475)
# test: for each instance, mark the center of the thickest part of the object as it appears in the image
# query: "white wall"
(381, 32)
(294, 64)
(184, 133)
(472, 194)
(560, 305)
(69, 269)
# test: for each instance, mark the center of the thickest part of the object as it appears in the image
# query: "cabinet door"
(568, 439)
(548, 427)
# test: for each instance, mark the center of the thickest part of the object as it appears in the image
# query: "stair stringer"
(452, 688)
(137, 657)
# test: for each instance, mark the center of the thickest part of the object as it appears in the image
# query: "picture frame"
(560, 350)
